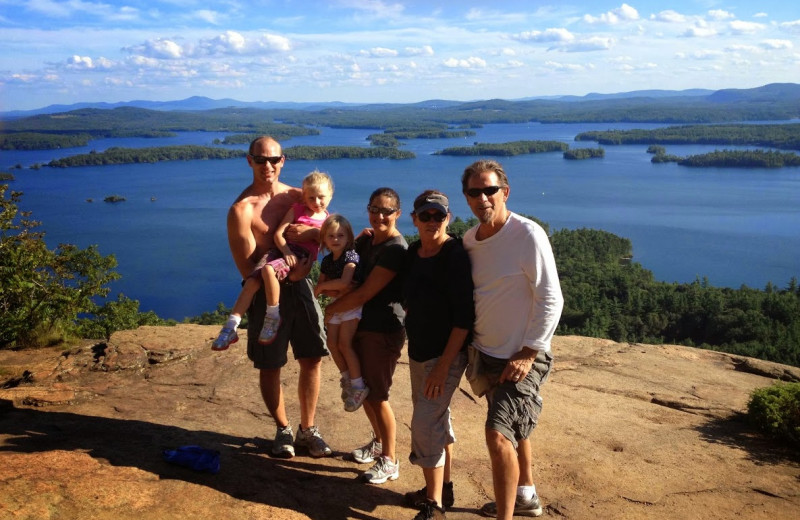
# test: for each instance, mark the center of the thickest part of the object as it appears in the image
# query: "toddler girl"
(336, 275)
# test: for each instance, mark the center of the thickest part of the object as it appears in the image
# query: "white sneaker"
(355, 399)
(368, 453)
(312, 440)
(383, 470)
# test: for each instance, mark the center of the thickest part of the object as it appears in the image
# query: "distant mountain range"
(772, 93)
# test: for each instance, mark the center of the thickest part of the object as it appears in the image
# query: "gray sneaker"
(522, 507)
(368, 453)
(283, 445)
(383, 470)
(312, 440)
(269, 331)
(355, 399)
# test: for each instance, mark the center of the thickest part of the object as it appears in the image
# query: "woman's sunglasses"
(427, 217)
(383, 211)
(488, 191)
(262, 159)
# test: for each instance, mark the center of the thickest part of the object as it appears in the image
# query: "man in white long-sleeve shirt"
(518, 303)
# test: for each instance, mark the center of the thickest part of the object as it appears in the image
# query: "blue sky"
(54, 51)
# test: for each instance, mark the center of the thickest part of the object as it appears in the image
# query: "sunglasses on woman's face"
(488, 191)
(436, 216)
(263, 159)
(383, 211)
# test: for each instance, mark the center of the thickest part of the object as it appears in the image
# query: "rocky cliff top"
(628, 431)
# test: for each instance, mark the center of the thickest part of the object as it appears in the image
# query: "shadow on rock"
(246, 473)
(735, 431)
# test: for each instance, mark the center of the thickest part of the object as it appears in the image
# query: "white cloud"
(793, 27)
(738, 47)
(225, 43)
(595, 43)
(568, 67)
(668, 16)
(777, 44)
(206, 15)
(699, 32)
(160, 48)
(549, 35)
(706, 55)
(375, 8)
(425, 50)
(470, 63)
(274, 42)
(515, 64)
(79, 62)
(760, 15)
(624, 13)
(741, 27)
(719, 14)
(379, 52)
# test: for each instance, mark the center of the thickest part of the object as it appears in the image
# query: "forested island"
(732, 159)
(345, 152)
(505, 149)
(194, 152)
(584, 153)
(786, 137)
(117, 155)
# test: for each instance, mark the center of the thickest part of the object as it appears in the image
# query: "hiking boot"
(428, 510)
(312, 440)
(383, 470)
(522, 507)
(416, 498)
(283, 445)
(227, 337)
(270, 330)
(355, 399)
(368, 453)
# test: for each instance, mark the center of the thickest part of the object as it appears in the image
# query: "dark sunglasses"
(488, 191)
(427, 217)
(383, 211)
(262, 159)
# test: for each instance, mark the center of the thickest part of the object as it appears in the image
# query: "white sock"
(526, 492)
(344, 375)
(273, 311)
(233, 321)
(357, 383)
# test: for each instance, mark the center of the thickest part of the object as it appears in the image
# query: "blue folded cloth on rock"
(194, 457)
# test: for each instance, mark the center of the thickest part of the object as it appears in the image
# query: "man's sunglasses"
(262, 159)
(383, 211)
(427, 217)
(488, 191)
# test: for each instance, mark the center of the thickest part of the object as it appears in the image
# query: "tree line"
(505, 149)
(118, 155)
(786, 137)
(728, 158)
(767, 103)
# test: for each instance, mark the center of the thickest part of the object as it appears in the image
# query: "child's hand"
(290, 259)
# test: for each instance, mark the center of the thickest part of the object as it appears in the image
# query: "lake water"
(733, 226)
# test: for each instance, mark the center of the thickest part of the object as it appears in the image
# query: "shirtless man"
(252, 219)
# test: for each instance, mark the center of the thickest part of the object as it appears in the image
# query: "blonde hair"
(317, 178)
(337, 220)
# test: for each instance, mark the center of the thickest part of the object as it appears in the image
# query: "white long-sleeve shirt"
(518, 298)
